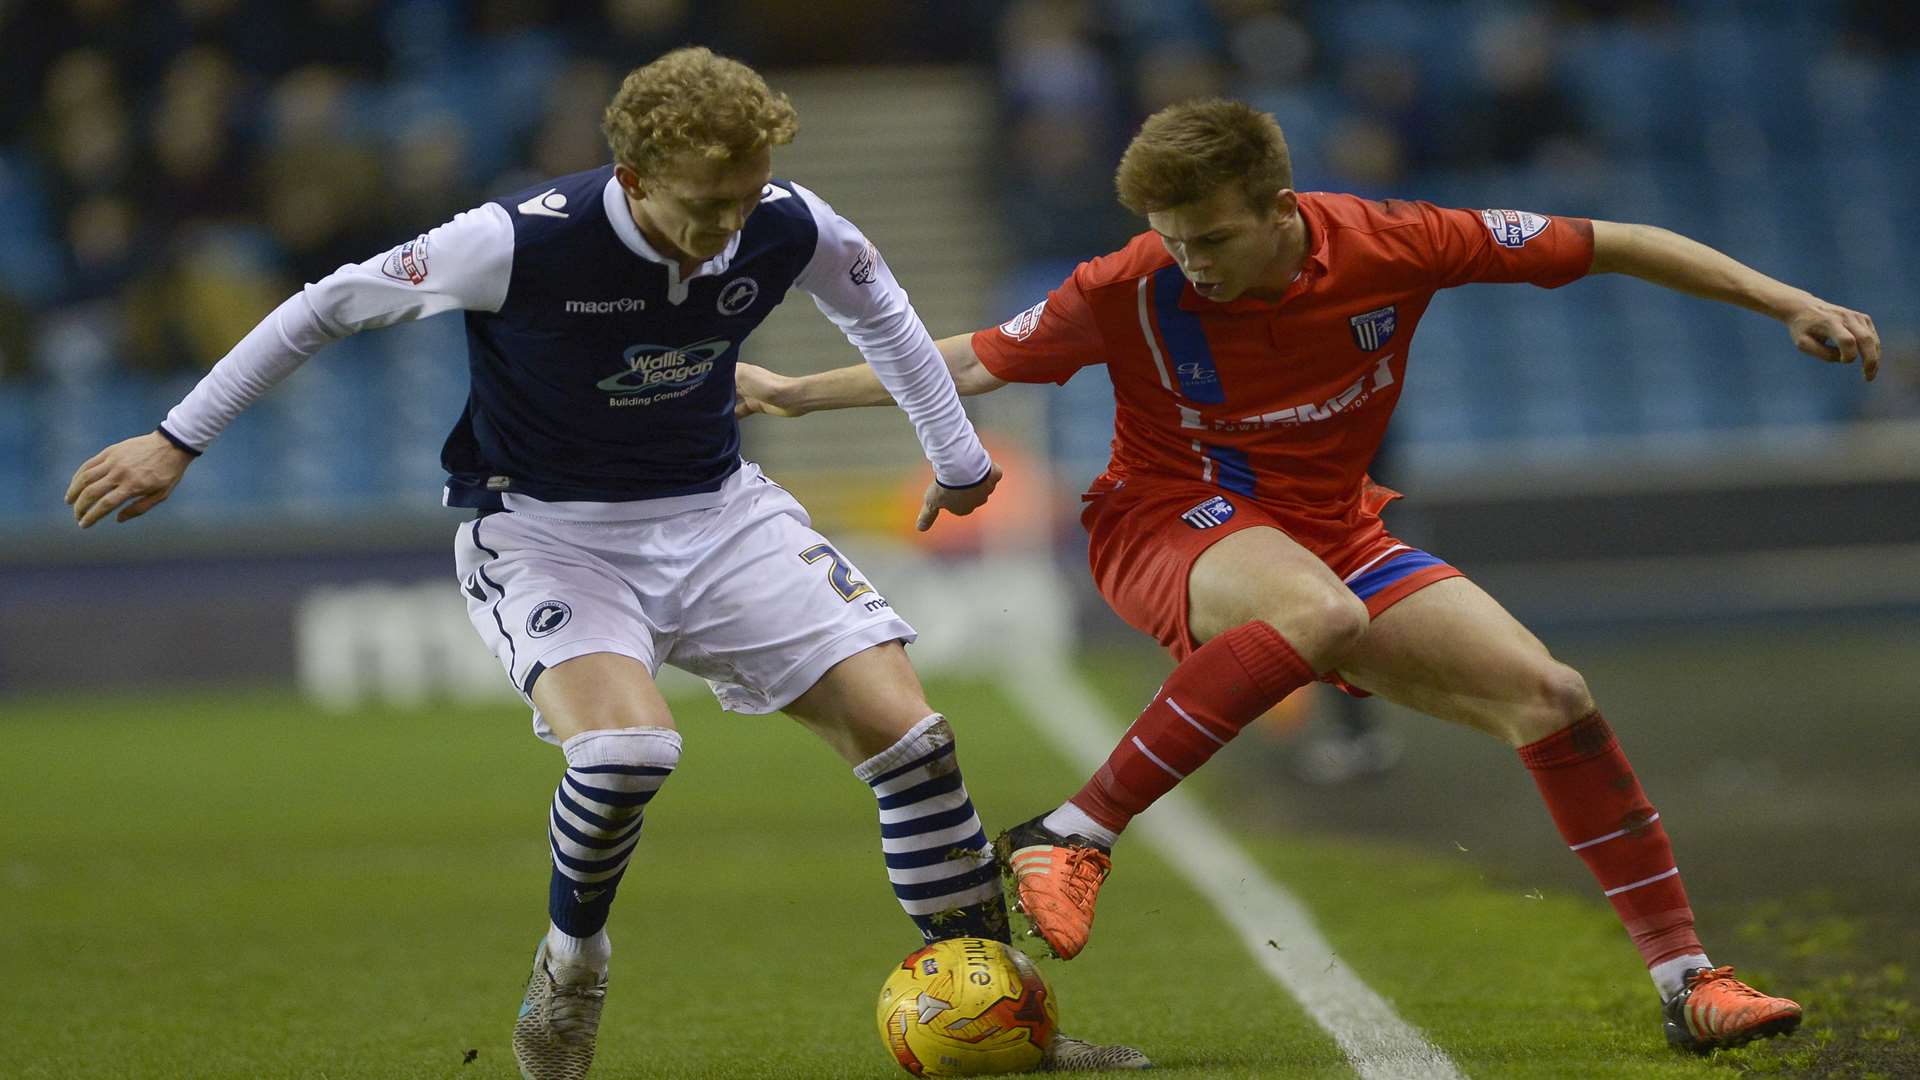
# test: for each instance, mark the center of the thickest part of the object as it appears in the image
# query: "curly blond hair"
(692, 103)
(1185, 152)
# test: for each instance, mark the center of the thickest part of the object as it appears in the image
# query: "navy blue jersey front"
(603, 377)
(600, 373)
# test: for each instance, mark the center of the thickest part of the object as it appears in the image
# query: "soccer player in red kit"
(1257, 341)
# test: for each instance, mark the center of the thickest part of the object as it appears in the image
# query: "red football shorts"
(1144, 537)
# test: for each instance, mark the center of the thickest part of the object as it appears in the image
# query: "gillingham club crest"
(1373, 329)
(1214, 511)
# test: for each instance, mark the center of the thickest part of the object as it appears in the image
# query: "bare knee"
(1558, 698)
(865, 703)
(578, 716)
(598, 692)
(1323, 630)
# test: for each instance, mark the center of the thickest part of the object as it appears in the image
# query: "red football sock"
(1596, 801)
(1210, 696)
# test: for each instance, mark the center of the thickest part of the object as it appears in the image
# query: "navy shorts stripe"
(1390, 571)
(513, 655)
(491, 554)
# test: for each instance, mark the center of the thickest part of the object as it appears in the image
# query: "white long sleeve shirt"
(599, 374)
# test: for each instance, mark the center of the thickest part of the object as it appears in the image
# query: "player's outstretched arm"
(1821, 329)
(758, 390)
(473, 258)
(133, 475)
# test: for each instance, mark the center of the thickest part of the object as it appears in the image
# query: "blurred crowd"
(169, 169)
(1373, 94)
(1766, 127)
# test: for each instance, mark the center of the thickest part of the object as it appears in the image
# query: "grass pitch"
(236, 885)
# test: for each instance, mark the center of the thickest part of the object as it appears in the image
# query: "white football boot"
(559, 1021)
(1068, 1054)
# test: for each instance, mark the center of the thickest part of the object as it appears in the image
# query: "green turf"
(237, 886)
(1783, 763)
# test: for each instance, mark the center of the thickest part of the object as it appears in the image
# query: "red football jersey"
(1282, 401)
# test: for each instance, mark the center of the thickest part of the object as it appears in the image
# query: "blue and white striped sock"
(937, 854)
(594, 825)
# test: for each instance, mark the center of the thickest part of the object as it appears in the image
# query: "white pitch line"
(1380, 1045)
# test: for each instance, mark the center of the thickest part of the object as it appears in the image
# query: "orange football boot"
(1056, 881)
(1713, 1010)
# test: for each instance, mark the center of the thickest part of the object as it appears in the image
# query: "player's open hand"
(757, 390)
(956, 501)
(133, 476)
(1837, 335)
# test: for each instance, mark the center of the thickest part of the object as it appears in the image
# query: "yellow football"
(967, 1007)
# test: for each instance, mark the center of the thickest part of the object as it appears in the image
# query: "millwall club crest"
(737, 295)
(1214, 511)
(546, 617)
(1374, 329)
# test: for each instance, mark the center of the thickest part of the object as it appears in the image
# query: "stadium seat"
(18, 454)
(420, 377)
(1736, 124)
(1630, 82)
(31, 263)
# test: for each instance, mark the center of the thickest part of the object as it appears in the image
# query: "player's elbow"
(975, 379)
(970, 376)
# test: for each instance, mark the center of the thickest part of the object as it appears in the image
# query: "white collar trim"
(621, 217)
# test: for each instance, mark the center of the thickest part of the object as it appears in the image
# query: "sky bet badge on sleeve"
(1021, 326)
(1513, 228)
(408, 262)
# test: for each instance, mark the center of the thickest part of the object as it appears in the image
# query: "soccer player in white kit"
(616, 526)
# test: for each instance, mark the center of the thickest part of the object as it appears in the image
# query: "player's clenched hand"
(757, 390)
(1837, 335)
(133, 476)
(956, 501)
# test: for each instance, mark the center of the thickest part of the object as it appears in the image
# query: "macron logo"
(605, 307)
(549, 203)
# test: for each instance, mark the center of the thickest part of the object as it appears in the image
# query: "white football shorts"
(742, 593)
